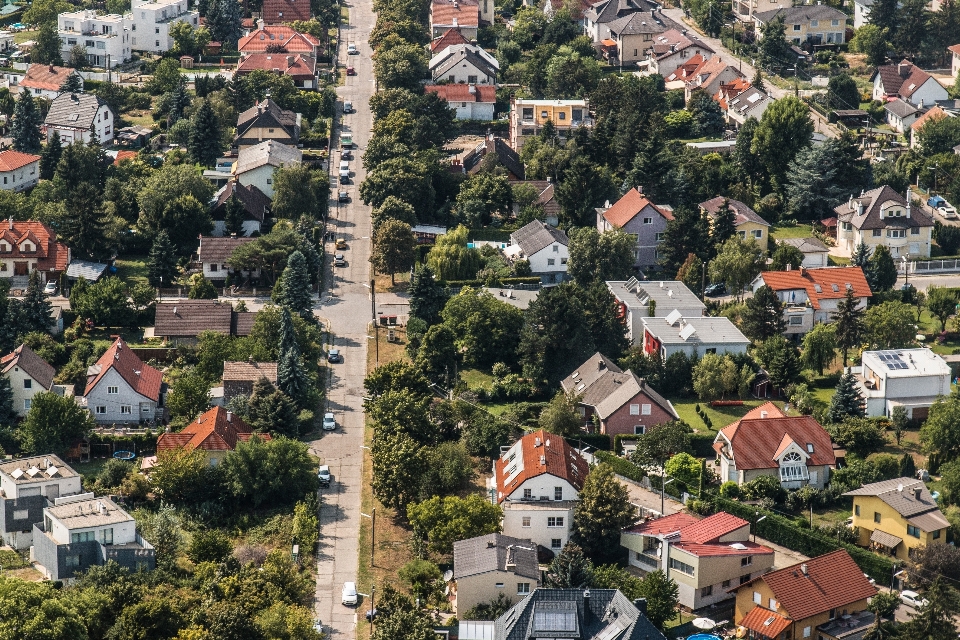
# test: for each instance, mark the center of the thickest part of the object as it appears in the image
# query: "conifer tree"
(861, 255)
(73, 84)
(26, 125)
(846, 401)
(205, 135)
(292, 377)
(288, 335)
(849, 321)
(763, 317)
(35, 308)
(233, 216)
(179, 100)
(84, 228)
(296, 287)
(162, 261)
(427, 296)
(50, 156)
(8, 417)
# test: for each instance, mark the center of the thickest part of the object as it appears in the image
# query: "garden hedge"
(620, 466)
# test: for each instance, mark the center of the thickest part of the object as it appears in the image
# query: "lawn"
(838, 261)
(719, 416)
(475, 378)
(793, 231)
(132, 269)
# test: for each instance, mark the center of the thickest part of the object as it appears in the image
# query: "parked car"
(346, 140)
(334, 356)
(346, 155)
(947, 211)
(341, 243)
(349, 595)
(50, 288)
(347, 106)
(329, 422)
(323, 475)
(352, 50)
(936, 202)
(339, 260)
(351, 71)
(912, 599)
(344, 170)
(717, 289)
(343, 196)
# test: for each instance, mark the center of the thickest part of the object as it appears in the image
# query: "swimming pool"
(704, 636)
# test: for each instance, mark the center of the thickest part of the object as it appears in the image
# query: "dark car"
(346, 155)
(351, 71)
(717, 289)
(343, 196)
(334, 356)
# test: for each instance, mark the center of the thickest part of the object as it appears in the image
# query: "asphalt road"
(346, 310)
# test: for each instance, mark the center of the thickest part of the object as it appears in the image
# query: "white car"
(349, 594)
(912, 599)
(50, 288)
(329, 422)
(948, 212)
(352, 49)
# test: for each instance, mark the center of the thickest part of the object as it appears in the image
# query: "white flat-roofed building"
(27, 485)
(106, 38)
(911, 378)
(638, 299)
(693, 336)
(152, 20)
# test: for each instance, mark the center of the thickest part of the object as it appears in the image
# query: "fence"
(921, 267)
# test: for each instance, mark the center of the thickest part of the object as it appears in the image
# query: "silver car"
(329, 422)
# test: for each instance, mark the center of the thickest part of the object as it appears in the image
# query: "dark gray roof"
(642, 22)
(589, 372)
(495, 552)
(592, 614)
(31, 363)
(457, 55)
(807, 245)
(900, 495)
(607, 388)
(255, 202)
(268, 114)
(605, 12)
(77, 110)
(901, 108)
(742, 212)
(872, 202)
(89, 271)
(535, 236)
(803, 13)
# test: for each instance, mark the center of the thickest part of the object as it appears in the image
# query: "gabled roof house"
(883, 216)
(907, 81)
(121, 388)
(634, 213)
(265, 120)
(216, 432)
(256, 206)
(487, 566)
(544, 247)
(29, 374)
(748, 223)
(811, 296)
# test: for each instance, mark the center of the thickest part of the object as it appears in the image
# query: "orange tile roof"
(49, 77)
(627, 207)
(11, 160)
(731, 90)
(755, 442)
(832, 282)
(448, 39)
(666, 524)
(954, 49)
(141, 377)
(294, 65)
(215, 430)
(702, 537)
(687, 69)
(712, 528)
(769, 624)
(553, 455)
(771, 410)
(831, 581)
(461, 92)
(934, 112)
(280, 35)
(465, 12)
(50, 253)
(124, 155)
(278, 11)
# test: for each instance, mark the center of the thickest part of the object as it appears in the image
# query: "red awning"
(608, 43)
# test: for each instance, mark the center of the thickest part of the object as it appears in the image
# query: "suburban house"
(45, 80)
(27, 485)
(907, 81)
(815, 253)
(239, 377)
(635, 35)
(598, 17)
(807, 600)
(749, 225)
(861, 12)
(908, 378)
(546, 200)
(153, 20)
(812, 24)
(883, 216)
(214, 253)
(897, 517)
(740, 100)
(537, 482)
(19, 170)
(709, 76)
(692, 336)
(448, 39)
(622, 401)
(84, 531)
(122, 389)
(704, 557)
(182, 321)
(105, 37)
(637, 300)
(255, 165)
(256, 207)
(469, 101)
(79, 117)
(267, 121)
(584, 614)
(285, 11)
(488, 566)
(29, 374)
(278, 36)
(544, 247)
(86, 270)
(527, 117)
(636, 215)
(506, 157)
(30, 246)
(671, 49)
(456, 14)
(811, 296)
(766, 442)
(935, 112)
(954, 60)
(464, 64)
(216, 432)
(302, 68)
(901, 114)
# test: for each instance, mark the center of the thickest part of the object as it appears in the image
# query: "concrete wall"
(49, 487)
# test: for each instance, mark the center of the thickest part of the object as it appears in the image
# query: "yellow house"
(527, 118)
(804, 600)
(897, 516)
(745, 219)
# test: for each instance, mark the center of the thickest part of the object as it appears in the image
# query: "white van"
(344, 169)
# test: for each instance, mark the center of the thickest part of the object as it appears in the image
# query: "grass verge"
(719, 416)
(132, 269)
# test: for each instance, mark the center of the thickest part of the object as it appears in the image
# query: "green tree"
(890, 325)
(292, 377)
(484, 194)
(583, 186)
(662, 596)
(189, 396)
(938, 135)
(859, 435)
(847, 401)
(46, 47)
(45, 12)
(850, 324)
(820, 347)
(942, 303)
(842, 92)
(881, 271)
(935, 620)
(8, 416)
(234, 216)
(940, 434)
(485, 331)
(451, 259)
(722, 225)
(786, 254)
(401, 67)
(561, 416)
(398, 464)
(205, 135)
(715, 376)
(393, 208)
(737, 264)
(554, 340)
(422, 576)
(172, 199)
(162, 260)
(35, 307)
(611, 576)
(26, 123)
(427, 295)
(53, 423)
(445, 520)
(661, 444)
(306, 523)
(224, 20)
(691, 273)
(299, 191)
(394, 249)
(277, 471)
(201, 288)
(271, 409)
(50, 156)
(603, 511)
(899, 422)
(784, 129)
(438, 357)
(707, 116)
(296, 287)
(872, 41)
(599, 257)
(774, 50)
(570, 569)
(763, 317)
(165, 77)
(883, 605)
(209, 546)
(571, 69)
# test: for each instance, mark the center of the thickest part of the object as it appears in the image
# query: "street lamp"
(755, 523)
(373, 532)
(906, 269)
(663, 490)
(736, 47)
(935, 168)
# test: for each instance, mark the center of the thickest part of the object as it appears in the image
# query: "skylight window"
(835, 288)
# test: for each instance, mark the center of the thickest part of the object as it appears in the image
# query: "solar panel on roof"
(555, 621)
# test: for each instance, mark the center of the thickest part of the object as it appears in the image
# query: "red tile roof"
(48, 77)
(832, 282)
(542, 452)
(124, 155)
(664, 525)
(687, 69)
(50, 254)
(934, 112)
(755, 442)
(954, 49)
(280, 35)
(298, 66)
(831, 581)
(465, 12)
(771, 410)
(632, 202)
(731, 90)
(712, 528)
(769, 624)
(702, 537)
(448, 39)
(215, 430)
(279, 11)
(141, 377)
(11, 160)
(462, 93)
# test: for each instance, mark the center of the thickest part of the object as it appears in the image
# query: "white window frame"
(634, 409)
(113, 390)
(555, 522)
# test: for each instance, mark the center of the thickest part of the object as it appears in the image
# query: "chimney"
(789, 267)
(586, 597)
(860, 208)
(601, 365)
(903, 69)
(490, 544)
(11, 223)
(763, 414)
(803, 569)
(641, 605)
(456, 22)
(260, 24)
(801, 270)
(909, 201)
(51, 69)
(916, 492)
(229, 416)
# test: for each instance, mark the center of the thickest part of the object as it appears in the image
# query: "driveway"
(345, 309)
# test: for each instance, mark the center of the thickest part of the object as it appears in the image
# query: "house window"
(757, 598)
(833, 614)
(525, 521)
(796, 27)
(27, 383)
(746, 562)
(27, 404)
(915, 231)
(562, 115)
(796, 319)
(834, 23)
(682, 567)
(214, 267)
(913, 531)
(876, 517)
(757, 233)
(523, 588)
(556, 543)
(725, 584)
(896, 233)
(125, 409)
(814, 23)
(527, 494)
(936, 534)
(648, 221)
(806, 630)
(635, 409)
(556, 248)
(72, 561)
(660, 236)
(639, 429)
(83, 536)
(773, 605)
(555, 521)
(543, 114)
(101, 410)
(558, 493)
(792, 468)
(527, 113)
(551, 262)
(876, 233)
(563, 261)
(499, 585)
(706, 591)
(471, 79)
(113, 390)
(645, 409)
(856, 509)
(744, 579)
(21, 514)
(106, 536)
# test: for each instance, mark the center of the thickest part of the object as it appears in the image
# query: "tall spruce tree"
(85, 227)
(35, 308)
(881, 270)
(179, 100)
(162, 261)
(292, 377)
(723, 226)
(861, 256)
(8, 417)
(50, 156)
(234, 215)
(224, 20)
(73, 84)
(205, 135)
(763, 317)
(849, 321)
(603, 511)
(427, 296)
(296, 287)
(26, 125)
(288, 334)
(847, 402)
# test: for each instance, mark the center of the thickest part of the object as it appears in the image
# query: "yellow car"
(341, 243)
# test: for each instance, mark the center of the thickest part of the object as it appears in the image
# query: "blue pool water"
(704, 636)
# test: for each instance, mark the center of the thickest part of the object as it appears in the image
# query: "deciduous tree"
(394, 248)
(820, 347)
(445, 520)
(53, 423)
(603, 511)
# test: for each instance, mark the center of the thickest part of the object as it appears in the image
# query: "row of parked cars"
(942, 207)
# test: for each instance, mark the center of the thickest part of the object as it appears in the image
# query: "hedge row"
(504, 282)
(702, 444)
(620, 466)
(785, 532)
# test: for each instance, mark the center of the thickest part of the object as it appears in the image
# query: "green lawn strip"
(795, 231)
(474, 378)
(132, 269)
(719, 416)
